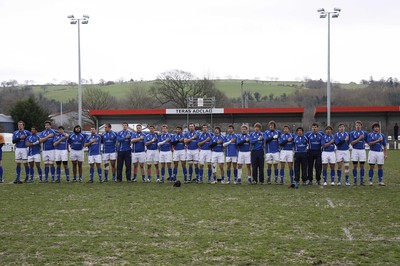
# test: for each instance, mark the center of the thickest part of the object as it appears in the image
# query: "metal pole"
(61, 114)
(328, 88)
(79, 81)
(241, 94)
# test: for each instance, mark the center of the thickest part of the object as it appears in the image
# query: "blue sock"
(105, 175)
(339, 176)
(347, 176)
(362, 173)
(197, 171)
(201, 171)
(58, 170)
(355, 175)
(276, 173)
(91, 171)
(40, 174)
(175, 172)
(1, 172)
(53, 172)
(332, 175)
(162, 172)
(67, 173)
(134, 176)
(209, 173)
(18, 171)
(235, 174)
(282, 172)
(291, 173)
(46, 173)
(169, 172)
(184, 169)
(190, 172)
(228, 174)
(113, 176)
(32, 172)
(27, 171)
(380, 175)
(269, 172)
(324, 174)
(370, 175)
(100, 173)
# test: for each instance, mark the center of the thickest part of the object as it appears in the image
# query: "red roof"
(358, 109)
(128, 112)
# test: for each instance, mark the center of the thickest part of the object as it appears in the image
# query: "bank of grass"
(137, 223)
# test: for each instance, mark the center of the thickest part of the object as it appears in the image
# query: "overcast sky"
(242, 39)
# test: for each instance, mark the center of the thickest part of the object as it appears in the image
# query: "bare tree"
(138, 97)
(97, 99)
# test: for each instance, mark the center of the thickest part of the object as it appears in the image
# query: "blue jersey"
(35, 149)
(202, 137)
(95, 147)
(284, 142)
(300, 144)
(218, 147)
(272, 141)
(76, 141)
(243, 142)
(138, 146)
(167, 145)
(20, 143)
(340, 140)
(231, 149)
(63, 143)
(150, 137)
(109, 140)
(193, 144)
(256, 143)
(360, 145)
(123, 141)
(314, 140)
(377, 146)
(178, 142)
(48, 144)
(326, 139)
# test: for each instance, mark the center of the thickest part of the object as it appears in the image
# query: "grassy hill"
(232, 88)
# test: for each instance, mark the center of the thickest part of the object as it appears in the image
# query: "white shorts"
(328, 157)
(204, 156)
(231, 159)
(138, 157)
(343, 156)
(61, 155)
(179, 155)
(94, 159)
(244, 157)
(376, 157)
(358, 155)
(217, 157)
(75, 155)
(48, 156)
(286, 156)
(272, 157)
(112, 156)
(165, 157)
(192, 155)
(21, 154)
(152, 156)
(34, 158)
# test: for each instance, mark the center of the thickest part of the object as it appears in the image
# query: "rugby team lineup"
(271, 156)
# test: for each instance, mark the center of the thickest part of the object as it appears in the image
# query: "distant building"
(69, 120)
(6, 123)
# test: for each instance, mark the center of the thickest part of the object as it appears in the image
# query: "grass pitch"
(148, 224)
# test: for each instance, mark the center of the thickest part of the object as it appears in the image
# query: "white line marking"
(347, 233)
(330, 203)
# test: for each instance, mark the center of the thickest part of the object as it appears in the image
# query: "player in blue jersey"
(76, 141)
(46, 137)
(244, 156)
(342, 141)
(60, 142)
(178, 143)
(109, 153)
(358, 138)
(314, 153)
(377, 153)
(217, 154)
(272, 150)
(138, 152)
(164, 144)
(231, 153)
(33, 144)
(328, 155)
(204, 141)
(152, 153)
(192, 153)
(93, 142)
(300, 157)
(2, 142)
(21, 151)
(286, 155)
(257, 154)
(124, 153)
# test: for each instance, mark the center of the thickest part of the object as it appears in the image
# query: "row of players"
(308, 151)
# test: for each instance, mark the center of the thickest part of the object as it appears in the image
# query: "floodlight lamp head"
(321, 10)
(335, 15)
(70, 16)
(85, 21)
(323, 15)
(336, 9)
(73, 21)
(86, 16)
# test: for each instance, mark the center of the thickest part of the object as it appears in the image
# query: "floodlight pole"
(78, 21)
(241, 94)
(324, 14)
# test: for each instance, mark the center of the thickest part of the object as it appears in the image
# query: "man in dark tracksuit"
(314, 154)
(124, 153)
(257, 154)
(300, 157)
